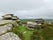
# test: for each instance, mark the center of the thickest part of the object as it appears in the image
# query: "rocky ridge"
(5, 30)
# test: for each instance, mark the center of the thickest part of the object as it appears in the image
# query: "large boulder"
(5, 28)
(31, 24)
(2, 22)
(9, 36)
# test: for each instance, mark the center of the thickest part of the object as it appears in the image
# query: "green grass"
(42, 32)
(26, 20)
(45, 33)
(20, 31)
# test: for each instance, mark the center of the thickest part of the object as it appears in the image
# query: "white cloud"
(27, 8)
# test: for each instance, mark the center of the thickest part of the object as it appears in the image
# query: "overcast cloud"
(27, 8)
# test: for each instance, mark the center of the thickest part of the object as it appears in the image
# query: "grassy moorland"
(42, 32)
(23, 32)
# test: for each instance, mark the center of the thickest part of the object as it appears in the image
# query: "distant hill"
(47, 20)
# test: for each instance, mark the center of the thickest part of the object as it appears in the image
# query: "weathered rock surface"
(31, 24)
(5, 21)
(2, 22)
(9, 36)
(5, 28)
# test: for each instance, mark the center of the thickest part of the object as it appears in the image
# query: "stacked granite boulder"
(10, 17)
(6, 25)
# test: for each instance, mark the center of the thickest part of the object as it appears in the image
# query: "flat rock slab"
(5, 28)
(5, 21)
(2, 22)
(9, 36)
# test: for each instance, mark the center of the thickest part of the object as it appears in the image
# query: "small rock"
(24, 32)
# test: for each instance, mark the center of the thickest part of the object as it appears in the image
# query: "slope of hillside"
(43, 32)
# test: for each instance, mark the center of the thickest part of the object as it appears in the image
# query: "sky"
(26, 9)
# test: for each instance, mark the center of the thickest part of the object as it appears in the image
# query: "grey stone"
(31, 24)
(9, 36)
(5, 21)
(5, 28)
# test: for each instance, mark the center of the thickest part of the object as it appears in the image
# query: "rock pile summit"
(6, 25)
